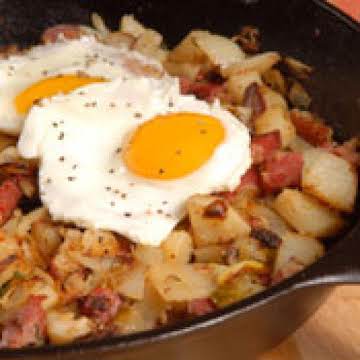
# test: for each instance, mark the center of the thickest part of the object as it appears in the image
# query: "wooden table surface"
(333, 333)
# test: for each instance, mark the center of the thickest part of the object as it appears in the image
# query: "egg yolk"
(172, 146)
(49, 87)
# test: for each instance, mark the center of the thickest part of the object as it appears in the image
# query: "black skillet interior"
(299, 28)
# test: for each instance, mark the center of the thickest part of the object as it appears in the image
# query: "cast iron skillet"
(304, 29)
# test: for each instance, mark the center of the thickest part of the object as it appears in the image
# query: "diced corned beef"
(69, 32)
(27, 326)
(254, 100)
(251, 179)
(264, 146)
(200, 307)
(310, 129)
(10, 194)
(185, 85)
(101, 304)
(202, 90)
(282, 170)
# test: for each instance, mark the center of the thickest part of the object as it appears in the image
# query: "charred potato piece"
(213, 221)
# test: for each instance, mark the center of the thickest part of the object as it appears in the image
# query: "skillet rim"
(298, 281)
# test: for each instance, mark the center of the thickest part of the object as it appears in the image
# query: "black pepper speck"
(71, 178)
(127, 214)
(61, 158)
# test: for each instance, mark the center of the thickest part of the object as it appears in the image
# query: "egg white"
(82, 176)
(63, 58)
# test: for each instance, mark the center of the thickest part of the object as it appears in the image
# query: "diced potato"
(209, 254)
(176, 282)
(132, 283)
(219, 49)
(64, 327)
(144, 314)
(188, 51)
(272, 98)
(305, 214)
(48, 291)
(47, 237)
(149, 44)
(129, 25)
(295, 253)
(178, 247)
(275, 80)
(119, 39)
(300, 145)
(329, 178)
(99, 24)
(149, 255)
(214, 230)
(276, 118)
(24, 226)
(241, 112)
(267, 217)
(237, 84)
(9, 155)
(187, 70)
(259, 63)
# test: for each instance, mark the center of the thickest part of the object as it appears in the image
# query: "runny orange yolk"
(49, 87)
(172, 146)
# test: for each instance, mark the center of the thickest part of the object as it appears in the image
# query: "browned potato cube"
(213, 221)
(295, 253)
(330, 178)
(305, 214)
(178, 247)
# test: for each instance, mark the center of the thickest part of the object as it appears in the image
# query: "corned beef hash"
(142, 185)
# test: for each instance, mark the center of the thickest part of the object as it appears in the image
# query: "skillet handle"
(341, 265)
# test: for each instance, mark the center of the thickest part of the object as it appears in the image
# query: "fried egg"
(46, 70)
(126, 155)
